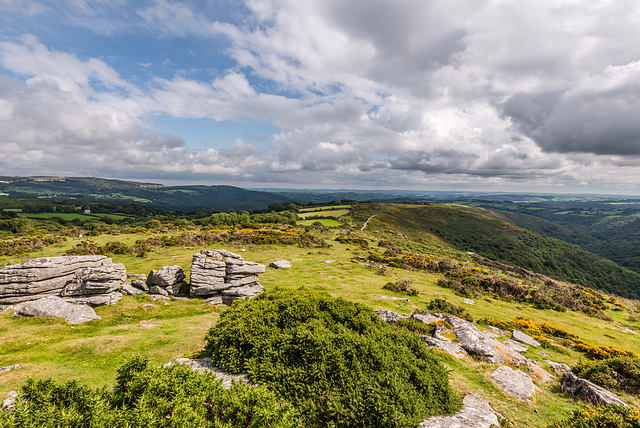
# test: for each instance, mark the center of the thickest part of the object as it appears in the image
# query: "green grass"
(324, 213)
(327, 208)
(92, 352)
(324, 221)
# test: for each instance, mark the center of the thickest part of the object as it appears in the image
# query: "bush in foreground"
(145, 397)
(336, 361)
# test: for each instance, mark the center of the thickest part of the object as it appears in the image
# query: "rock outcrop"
(516, 383)
(60, 276)
(476, 413)
(585, 390)
(473, 341)
(281, 264)
(221, 273)
(205, 364)
(389, 316)
(9, 403)
(166, 281)
(54, 306)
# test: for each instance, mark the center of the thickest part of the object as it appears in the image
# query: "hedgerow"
(336, 361)
(145, 397)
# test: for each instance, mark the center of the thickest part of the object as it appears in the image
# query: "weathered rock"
(214, 300)
(155, 289)
(205, 365)
(168, 278)
(389, 316)
(138, 276)
(425, 317)
(97, 300)
(515, 345)
(508, 355)
(140, 284)
(525, 338)
(155, 297)
(238, 280)
(53, 306)
(59, 276)
(404, 299)
(281, 264)
(515, 383)
(224, 274)
(493, 332)
(449, 347)
(130, 290)
(559, 368)
(585, 390)
(539, 372)
(473, 341)
(468, 301)
(441, 332)
(10, 403)
(99, 280)
(235, 266)
(9, 368)
(476, 413)
(248, 290)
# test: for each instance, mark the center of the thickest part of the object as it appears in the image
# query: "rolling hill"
(89, 189)
(495, 235)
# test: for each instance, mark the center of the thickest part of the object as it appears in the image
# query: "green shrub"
(145, 397)
(446, 307)
(611, 416)
(618, 374)
(402, 286)
(339, 363)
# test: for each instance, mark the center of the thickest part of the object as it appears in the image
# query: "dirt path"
(367, 222)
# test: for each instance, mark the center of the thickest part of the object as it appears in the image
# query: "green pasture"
(324, 213)
(327, 208)
(329, 222)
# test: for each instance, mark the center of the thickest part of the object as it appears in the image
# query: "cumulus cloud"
(409, 93)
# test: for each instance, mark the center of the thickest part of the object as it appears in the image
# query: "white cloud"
(409, 93)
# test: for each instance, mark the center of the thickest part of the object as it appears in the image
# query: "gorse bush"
(144, 397)
(444, 306)
(618, 374)
(402, 286)
(611, 416)
(336, 361)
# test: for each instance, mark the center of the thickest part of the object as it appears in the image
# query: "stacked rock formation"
(166, 281)
(224, 275)
(92, 280)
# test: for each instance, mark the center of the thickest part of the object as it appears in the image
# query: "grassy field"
(324, 213)
(92, 351)
(323, 221)
(327, 208)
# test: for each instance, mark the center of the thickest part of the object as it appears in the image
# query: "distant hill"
(495, 235)
(90, 189)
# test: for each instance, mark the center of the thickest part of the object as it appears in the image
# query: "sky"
(466, 95)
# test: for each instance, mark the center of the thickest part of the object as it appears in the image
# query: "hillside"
(89, 189)
(404, 260)
(490, 234)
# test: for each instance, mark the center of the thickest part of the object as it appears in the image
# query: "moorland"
(517, 270)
